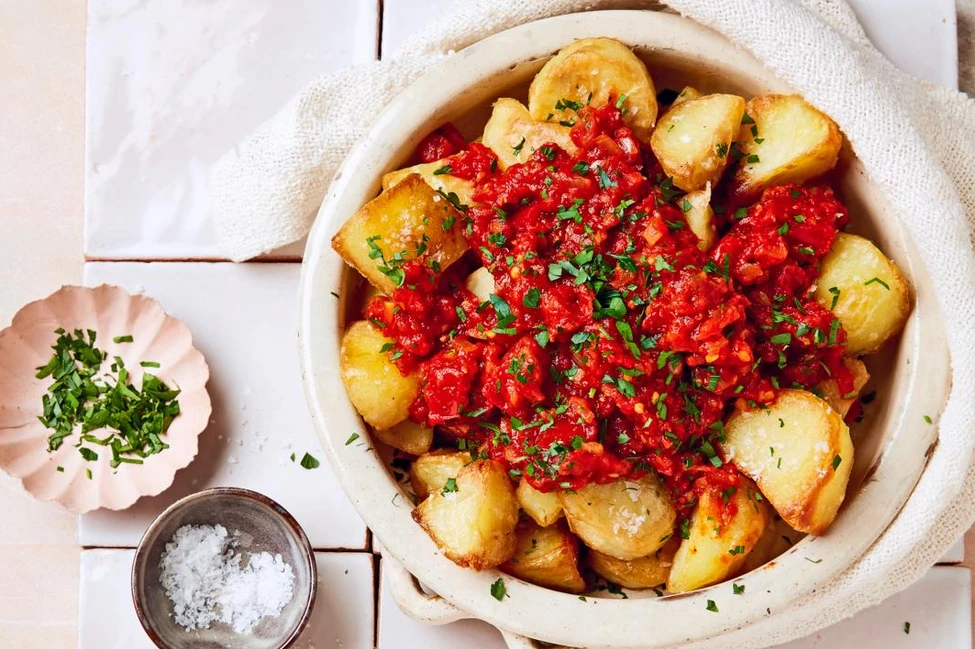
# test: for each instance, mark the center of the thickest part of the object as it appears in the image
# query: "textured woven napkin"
(916, 140)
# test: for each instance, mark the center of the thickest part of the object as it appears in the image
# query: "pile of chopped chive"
(135, 419)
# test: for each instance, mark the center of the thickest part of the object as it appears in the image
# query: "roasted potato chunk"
(693, 139)
(688, 92)
(407, 436)
(595, 71)
(543, 508)
(377, 389)
(777, 538)
(441, 181)
(842, 403)
(546, 556)
(700, 217)
(474, 522)
(783, 140)
(865, 291)
(514, 135)
(430, 472)
(480, 283)
(799, 452)
(645, 572)
(626, 519)
(716, 548)
(408, 221)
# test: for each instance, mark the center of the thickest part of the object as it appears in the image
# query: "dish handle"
(433, 609)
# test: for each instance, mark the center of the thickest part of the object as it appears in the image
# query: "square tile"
(399, 631)
(956, 554)
(403, 18)
(930, 27)
(937, 608)
(244, 320)
(342, 618)
(173, 84)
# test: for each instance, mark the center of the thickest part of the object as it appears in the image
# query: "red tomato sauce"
(612, 346)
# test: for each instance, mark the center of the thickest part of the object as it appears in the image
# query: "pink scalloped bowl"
(109, 311)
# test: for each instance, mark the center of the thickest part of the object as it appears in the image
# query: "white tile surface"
(956, 554)
(173, 84)
(244, 320)
(342, 618)
(938, 609)
(397, 631)
(918, 36)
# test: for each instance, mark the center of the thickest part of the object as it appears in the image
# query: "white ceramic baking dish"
(891, 443)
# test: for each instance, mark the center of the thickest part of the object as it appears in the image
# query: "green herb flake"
(837, 460)
(498, 591)
(122, 339)
(738, 589)
(877, 280)
(712, 606)
(450, 486)
(446, 169)
(309, 462)
(517, 150)
(353, 437)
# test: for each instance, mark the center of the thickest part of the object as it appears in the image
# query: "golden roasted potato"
(841, 403)
(645, 572)
(546, 556)
(713, 551)
(865, 291)
(408, 221)
(407, 436)
(777, 538)
(626, 519)
(595, 71)
(442, 181)
(693, 139)
(783, 140)
(480, 283)
(543, 508)
(688, 92)
(700, 217)
(377, 389)
(430, 471)
(513, 134)
(473, 518)
(799, 452)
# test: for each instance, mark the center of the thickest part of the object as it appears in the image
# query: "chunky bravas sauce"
(612, 345)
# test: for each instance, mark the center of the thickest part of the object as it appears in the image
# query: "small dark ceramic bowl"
(264, 526)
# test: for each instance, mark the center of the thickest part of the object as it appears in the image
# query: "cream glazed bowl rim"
(479, 73)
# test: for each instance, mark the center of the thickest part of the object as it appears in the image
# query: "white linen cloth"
(917, 141)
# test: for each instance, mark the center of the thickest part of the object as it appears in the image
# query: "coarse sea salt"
(201, 572)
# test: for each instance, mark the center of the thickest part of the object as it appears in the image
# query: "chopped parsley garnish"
(877, 280)
(837, 460)
(517, 149)
(737, 589)
(353, 437)
(309, 462)
(711, 606)
(446, 169)
(135, 419)
(450, 486)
